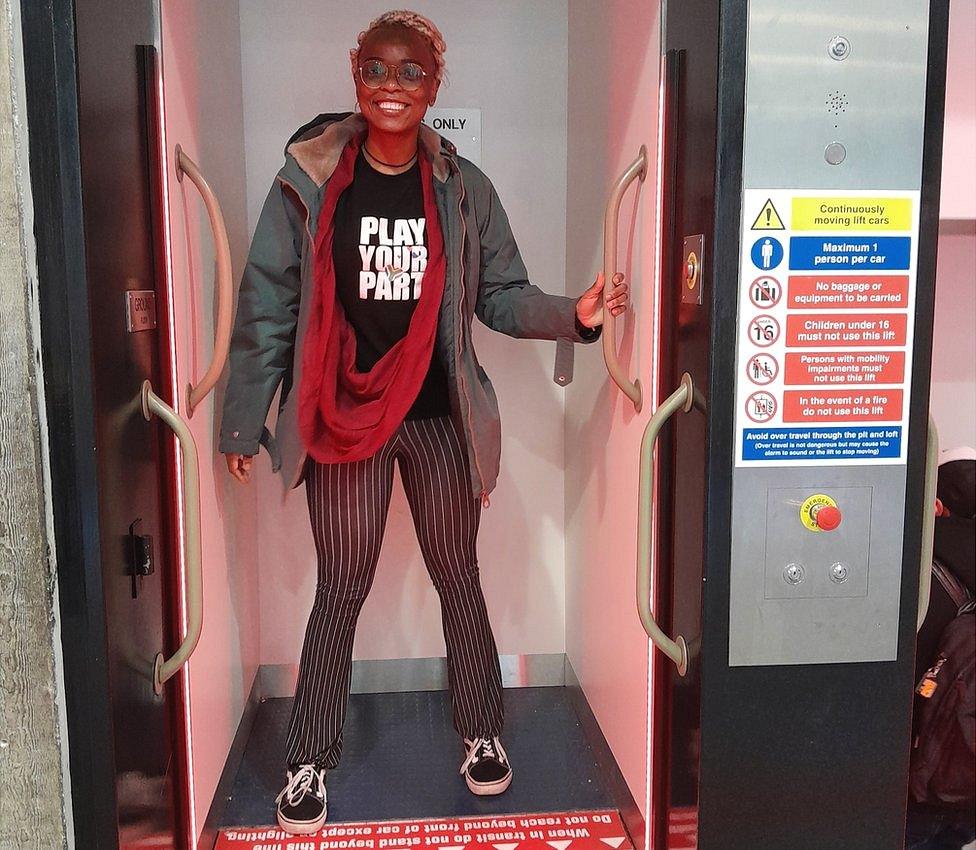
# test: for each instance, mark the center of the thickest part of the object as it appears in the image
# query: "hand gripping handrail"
(681, 399)
(163, 669)
(928, 521)
(222, 281)
(637, 169)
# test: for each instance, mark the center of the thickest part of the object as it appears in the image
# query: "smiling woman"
(398, 66)
(406, 242)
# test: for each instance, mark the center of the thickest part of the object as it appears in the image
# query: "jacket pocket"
(492, 423)
(488, 389)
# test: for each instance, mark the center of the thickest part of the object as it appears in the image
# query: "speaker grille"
(836, 102)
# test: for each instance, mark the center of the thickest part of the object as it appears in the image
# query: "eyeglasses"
(375, 72)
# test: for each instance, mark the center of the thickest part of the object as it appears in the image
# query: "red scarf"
(343, 414)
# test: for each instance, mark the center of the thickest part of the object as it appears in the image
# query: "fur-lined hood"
(317, 146)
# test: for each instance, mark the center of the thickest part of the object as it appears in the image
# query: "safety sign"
(761, 407)
(765, 292)
(763, 331)
(767, 253)
(826, 326)
(762, 369)
(584, 830)
(768, 218)
(831, 252)
(852, 292)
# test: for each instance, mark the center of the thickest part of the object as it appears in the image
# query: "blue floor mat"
(401, 758)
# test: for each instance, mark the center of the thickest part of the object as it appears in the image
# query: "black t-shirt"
(379, 249)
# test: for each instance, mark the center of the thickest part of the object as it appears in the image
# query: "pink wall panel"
(959, 145)
(202, 98)
(953, 402)
(613, 98)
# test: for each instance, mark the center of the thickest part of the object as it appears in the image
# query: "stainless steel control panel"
(832, 159)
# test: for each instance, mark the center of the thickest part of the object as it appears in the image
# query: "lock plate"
(140, 310)
(140, 556)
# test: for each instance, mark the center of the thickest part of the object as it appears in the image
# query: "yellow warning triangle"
(768, 218)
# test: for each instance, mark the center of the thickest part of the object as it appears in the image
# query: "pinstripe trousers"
(348, 505)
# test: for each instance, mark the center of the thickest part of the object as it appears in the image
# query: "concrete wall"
(35, 810)
(511, 64)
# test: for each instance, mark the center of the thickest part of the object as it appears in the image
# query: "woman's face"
(391, 108)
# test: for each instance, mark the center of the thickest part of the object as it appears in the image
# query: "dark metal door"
(119, 170)
(777, 756)
(689, 69)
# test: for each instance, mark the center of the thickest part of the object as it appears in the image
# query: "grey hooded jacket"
(485, 277)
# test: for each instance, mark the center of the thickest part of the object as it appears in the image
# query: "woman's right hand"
(240, 466)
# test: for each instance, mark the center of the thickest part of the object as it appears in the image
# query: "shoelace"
(300, 783)
(484, 748)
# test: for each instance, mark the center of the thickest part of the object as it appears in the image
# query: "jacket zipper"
(485, 501)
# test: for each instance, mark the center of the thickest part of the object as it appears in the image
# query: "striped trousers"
(348, 505)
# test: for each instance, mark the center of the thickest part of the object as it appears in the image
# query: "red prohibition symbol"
(762, 369)
(765, 292)
(763, 331)
(761, 407)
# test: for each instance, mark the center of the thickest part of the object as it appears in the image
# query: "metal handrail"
(223, 282)
(928, 521)
(164, 668)
(681, 399)
(637, 169)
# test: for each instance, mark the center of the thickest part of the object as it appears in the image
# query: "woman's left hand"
(589, 307)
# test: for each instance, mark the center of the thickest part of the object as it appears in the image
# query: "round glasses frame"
(405, 83)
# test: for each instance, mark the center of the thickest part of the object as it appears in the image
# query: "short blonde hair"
(411, 20)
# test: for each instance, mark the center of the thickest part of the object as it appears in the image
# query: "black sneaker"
(302, 802)
(486, 769)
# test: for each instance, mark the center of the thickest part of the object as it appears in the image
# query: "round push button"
(820, 513)
(794, 573)
(839, 573)
(827, 517)
(835, 153)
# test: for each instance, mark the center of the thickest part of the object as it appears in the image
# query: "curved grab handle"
(636, 170)
(223, 282)
(152, 404)
(928, 521)
(681, 399)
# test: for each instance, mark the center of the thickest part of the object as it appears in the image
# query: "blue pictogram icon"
(767, 253)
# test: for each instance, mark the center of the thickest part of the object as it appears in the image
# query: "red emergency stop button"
(819, 512)
(827, 517)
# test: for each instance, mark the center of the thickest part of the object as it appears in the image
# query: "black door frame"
(51, 79)
(50, 64)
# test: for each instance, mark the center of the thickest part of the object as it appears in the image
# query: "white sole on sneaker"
(302, 827)
(488, 789)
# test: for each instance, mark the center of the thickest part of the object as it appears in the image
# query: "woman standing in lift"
(375, 248)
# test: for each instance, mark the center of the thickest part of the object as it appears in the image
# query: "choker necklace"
(389, 164)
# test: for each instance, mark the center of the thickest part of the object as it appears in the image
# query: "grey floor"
(401, 758)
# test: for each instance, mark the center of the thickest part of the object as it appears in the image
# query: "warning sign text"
(810, 292)
(846, 367)
(852, 213)
(842, 406)
(805, 330)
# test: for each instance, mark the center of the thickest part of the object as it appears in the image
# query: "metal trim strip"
(418, 674)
